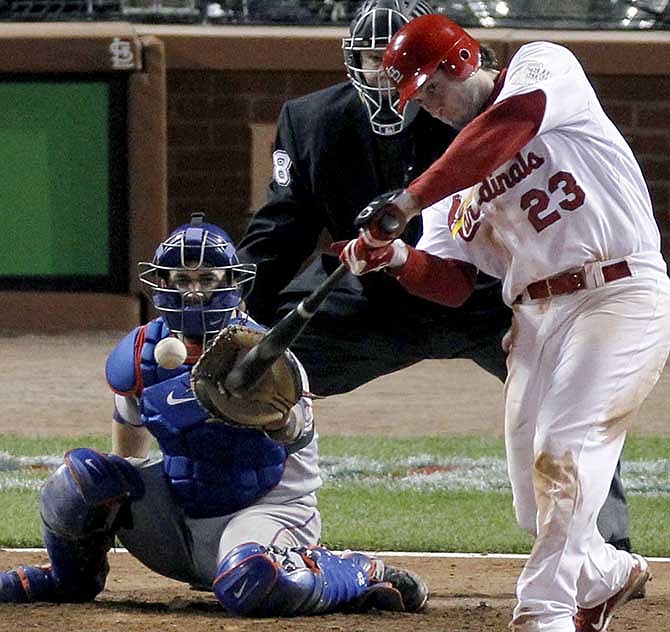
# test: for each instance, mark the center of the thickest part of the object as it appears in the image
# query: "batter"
(540, 190)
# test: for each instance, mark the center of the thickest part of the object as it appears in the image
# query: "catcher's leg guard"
(81, 507)
(267, 581)
(27, 583)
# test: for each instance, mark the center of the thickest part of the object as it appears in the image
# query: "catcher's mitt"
(268, 404)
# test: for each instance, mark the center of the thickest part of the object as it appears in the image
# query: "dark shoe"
(391, 588)
(412, 588)
(598, 618)
(622, 545)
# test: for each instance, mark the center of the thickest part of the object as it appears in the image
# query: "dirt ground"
(473, 595)
(54, 385)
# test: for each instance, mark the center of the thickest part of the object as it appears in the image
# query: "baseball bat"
(245, 375)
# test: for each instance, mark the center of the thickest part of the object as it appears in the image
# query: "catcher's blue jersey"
(213, 468)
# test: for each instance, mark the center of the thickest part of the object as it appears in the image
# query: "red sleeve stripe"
(445, 281)
(139, 343)
(486, 143)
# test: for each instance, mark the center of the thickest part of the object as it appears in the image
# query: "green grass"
(20, 524)
(372, 519)
(383, 448)
(470, 522)
(364, 512)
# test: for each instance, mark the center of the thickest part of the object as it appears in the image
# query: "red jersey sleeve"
(445, 281)
(488, 141)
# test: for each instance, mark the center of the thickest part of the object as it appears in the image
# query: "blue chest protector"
(214, 469)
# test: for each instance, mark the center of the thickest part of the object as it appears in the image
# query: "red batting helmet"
(420, 47)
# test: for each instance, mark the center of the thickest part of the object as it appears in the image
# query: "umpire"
(335, 150)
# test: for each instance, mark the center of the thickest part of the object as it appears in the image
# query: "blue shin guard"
(27, 583)
(268, 581)
(81, 506)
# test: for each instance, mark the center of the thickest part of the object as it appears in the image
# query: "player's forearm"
(130, 440)
(489, 141)
(446, 281)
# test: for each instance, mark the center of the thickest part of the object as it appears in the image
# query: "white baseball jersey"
(581, 363)
(573, 194)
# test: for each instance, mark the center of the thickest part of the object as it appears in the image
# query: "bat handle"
(390, 224)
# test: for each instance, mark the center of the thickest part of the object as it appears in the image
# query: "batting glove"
(360, 257)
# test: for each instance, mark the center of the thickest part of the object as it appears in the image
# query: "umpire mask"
(373, 26)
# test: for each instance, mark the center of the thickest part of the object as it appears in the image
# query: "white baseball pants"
(580, 365)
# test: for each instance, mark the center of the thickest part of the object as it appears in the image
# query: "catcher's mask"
(195, 279)
(371, 30)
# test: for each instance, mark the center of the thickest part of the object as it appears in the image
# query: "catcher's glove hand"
(267, 406)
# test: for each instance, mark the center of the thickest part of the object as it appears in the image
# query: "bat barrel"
(250, 370)
(311, 303)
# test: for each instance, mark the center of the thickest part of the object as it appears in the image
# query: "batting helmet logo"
(394, 74)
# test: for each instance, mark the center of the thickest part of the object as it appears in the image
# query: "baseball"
(170, 353)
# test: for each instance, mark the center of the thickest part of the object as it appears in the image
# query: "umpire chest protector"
(214, 469)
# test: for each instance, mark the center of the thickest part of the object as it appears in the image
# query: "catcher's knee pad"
(84, 495)
(268, 581)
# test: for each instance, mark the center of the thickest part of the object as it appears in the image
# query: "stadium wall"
(203, 101)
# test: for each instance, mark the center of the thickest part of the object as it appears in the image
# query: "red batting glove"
(360, 257)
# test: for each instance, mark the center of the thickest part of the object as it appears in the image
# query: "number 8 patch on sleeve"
(281, 163)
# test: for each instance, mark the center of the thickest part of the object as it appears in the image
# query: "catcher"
(230, 503)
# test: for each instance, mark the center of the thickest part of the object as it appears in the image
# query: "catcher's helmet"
(191, 250)
(424, 45)
(373, 26)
